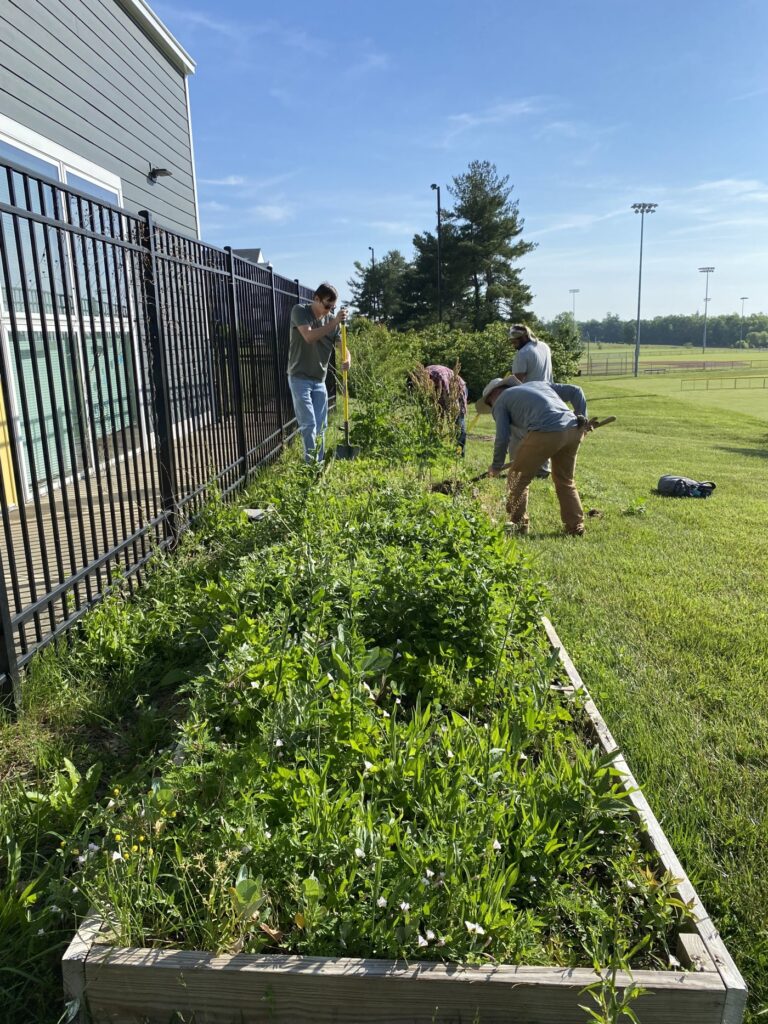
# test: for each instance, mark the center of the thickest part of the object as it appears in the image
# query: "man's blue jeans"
(310, 403)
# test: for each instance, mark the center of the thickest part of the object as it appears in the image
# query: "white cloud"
(499, 113)
(393, 227)
(230, 180)
(735, 187)
(275, 213)
(369, 62)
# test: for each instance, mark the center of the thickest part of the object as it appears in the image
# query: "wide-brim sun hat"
(482, 405)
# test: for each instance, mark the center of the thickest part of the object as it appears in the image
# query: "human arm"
(573, 395)
(346, 363)
(501, 442)
(520, 365)
(314, 334)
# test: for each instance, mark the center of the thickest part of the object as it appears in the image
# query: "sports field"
(664, 360)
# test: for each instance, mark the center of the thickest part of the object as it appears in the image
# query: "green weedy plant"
(319, 800)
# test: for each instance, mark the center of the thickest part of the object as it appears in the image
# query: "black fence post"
(160, 396)
(10, 687)
(276, 351)
(234, 350)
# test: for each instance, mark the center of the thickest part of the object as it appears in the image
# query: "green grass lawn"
(664, 608)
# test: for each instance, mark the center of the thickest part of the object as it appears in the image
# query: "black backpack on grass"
(684, 487)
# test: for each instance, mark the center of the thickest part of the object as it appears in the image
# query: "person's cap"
(518, 331)
(482, 405)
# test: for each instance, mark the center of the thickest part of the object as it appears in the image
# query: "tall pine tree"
(488, 227)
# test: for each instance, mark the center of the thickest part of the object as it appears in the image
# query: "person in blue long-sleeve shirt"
(551, 431)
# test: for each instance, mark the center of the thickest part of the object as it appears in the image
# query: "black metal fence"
(139, 368)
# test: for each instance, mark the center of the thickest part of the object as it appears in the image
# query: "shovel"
(345, 450)
(451, 486)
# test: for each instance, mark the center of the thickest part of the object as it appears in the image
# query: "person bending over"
(552, 431)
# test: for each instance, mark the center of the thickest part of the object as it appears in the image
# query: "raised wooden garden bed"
(151, 986)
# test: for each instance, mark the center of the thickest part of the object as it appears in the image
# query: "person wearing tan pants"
(553, 432)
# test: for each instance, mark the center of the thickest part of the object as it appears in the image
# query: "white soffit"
(146, 18)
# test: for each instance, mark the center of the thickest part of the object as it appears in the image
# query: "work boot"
(577, 531)
(516, 529)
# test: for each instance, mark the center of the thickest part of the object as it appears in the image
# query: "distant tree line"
(480, 241)
(728, 331)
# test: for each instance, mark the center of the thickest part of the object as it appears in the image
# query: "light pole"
(374, 303)
(436, 188)
(642, 209)
(707, 271)
(574, 292)
(741, 322)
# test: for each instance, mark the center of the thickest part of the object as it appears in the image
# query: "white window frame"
(38, 145)
(65, 160)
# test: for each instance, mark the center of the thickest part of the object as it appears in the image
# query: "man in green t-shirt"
(314, 332)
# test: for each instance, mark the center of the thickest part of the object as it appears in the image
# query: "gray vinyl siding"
(83, 74)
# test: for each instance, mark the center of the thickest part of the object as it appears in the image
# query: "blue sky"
(319, 128)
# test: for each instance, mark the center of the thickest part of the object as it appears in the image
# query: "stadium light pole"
(436, 188)
(741, 322)
(574, 292)
(642, 209)
(374, 303)
(707, 271)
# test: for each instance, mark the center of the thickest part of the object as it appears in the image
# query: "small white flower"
(116, 855)
(255, 684)
(41, 931)
(267, 834)
(673, 961)
(429, 873)
(430, 935)
(441, 942)
(523, 757)
(405, 906)
(473, 928)
(398, 701)
(82, 858)
(93, 848)
(367, 765)
(279, 743)
(110, 805)
(217, 728)
(496, 844)
(55, 909)
(385, 714)
(422, 941)
(240, 829)
(449, 753)
(381, 902)
(359, 852)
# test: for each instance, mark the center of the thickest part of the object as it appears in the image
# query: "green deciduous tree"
(377, 292)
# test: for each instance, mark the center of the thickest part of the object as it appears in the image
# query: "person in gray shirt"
(551, 431)
(532, 362)
(533, 358)
(314, 333)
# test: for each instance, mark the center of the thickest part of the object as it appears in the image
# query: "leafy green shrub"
(374, 762)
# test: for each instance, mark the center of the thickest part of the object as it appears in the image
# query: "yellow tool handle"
(344, 372)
